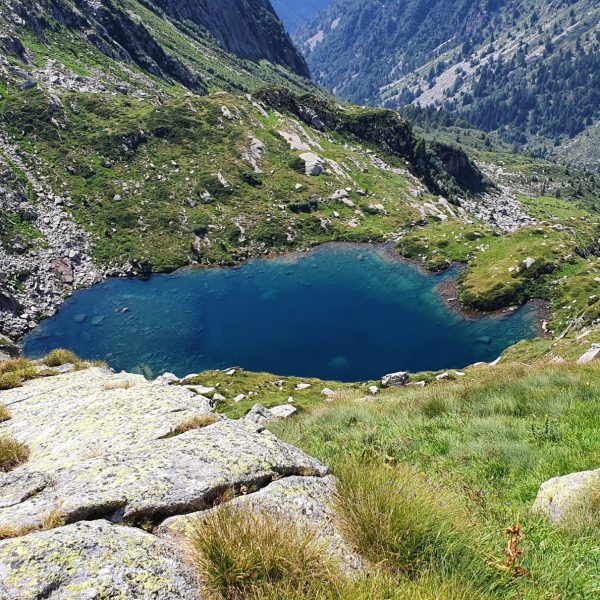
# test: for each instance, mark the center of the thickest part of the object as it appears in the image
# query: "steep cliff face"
(203, 45)
(249, 29)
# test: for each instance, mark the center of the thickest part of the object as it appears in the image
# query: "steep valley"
(147, 137)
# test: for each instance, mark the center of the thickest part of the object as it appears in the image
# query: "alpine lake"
(339, 312)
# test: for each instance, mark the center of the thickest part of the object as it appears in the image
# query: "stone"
(101, 447)
(441, 376)
(373, 390)
(283, 411)
(294, 141)
(94, 560)
(313, 164)
(239, 398)
(560, 496)
(305, 501)
(590, 355)
(166, 379)
(327, 392)
(303, 386)
(529, 262)
(201, 390)
(395, 379)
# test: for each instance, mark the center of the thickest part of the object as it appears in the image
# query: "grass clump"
(197, 422)
(8, 381)
(251, 555)
(52, 520)
(4, 414)
(60, 357)
(12, 453)
(399, 519)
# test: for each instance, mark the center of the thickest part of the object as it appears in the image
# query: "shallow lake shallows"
(340, 312)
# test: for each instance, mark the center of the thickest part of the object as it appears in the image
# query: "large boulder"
(104, 446)
(313, 164)
(562, 496)
(395, 379)
(94, 560)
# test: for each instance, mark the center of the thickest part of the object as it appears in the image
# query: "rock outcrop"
(108, 450)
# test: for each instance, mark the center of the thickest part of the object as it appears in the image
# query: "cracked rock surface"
(94, 560)
(104, 452)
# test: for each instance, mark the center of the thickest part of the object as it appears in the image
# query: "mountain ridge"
(527, 71)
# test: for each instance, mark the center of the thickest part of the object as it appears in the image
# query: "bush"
(12, 453)
(59, 357)
(247, 555)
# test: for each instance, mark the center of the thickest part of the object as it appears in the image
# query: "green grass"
(268, 390)
(241, 555)
(59, 357)
(478, 449)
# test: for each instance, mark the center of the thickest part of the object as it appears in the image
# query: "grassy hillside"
(436, 484)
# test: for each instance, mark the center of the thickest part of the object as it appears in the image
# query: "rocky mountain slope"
(527, 70)
(117, 477)
(143, 47)
(111, 461)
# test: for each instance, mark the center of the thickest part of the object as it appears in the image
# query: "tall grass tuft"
(402, 521)
(242, 554)
(12, 453)
(59, 357)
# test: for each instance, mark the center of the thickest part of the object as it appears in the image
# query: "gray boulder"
(562, 496)
(94, 560)
(398, 379)
(101, 446)
(313, 164)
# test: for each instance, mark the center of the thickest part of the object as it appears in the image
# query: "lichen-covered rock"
(94, 560)
(89, 413)
(305, 501)
(99, 450)
(561, 496)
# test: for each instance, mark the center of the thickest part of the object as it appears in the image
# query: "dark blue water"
(341, 312)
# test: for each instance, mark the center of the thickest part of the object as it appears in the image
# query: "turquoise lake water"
(340, 312)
